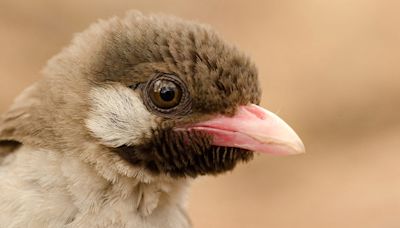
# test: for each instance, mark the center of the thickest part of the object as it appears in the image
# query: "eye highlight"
(167, 95)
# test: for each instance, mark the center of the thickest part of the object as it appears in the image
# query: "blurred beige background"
(330, 68)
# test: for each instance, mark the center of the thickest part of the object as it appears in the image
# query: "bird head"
(162, 94)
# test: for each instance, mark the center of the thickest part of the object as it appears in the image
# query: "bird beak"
(253, 128)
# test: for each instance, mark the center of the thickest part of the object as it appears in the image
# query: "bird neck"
(90, 185)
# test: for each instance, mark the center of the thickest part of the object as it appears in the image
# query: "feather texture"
(43, 188)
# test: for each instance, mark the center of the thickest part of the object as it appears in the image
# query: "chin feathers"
(182, 154)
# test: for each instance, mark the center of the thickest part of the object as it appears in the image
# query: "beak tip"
(296, 146)
(299, 148)
(294, 149)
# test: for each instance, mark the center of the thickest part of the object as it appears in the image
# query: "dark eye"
(165, 94)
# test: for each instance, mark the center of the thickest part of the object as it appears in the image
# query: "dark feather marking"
(182, 154)
(7, 147)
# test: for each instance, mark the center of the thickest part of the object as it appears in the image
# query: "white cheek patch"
(118, 117)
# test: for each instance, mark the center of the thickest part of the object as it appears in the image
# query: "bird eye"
(165, 94)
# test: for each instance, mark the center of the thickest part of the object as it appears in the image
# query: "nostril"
(256, 110)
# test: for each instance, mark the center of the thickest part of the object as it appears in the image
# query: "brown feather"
(52, 113)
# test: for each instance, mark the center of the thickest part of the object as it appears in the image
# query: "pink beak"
(253, 128)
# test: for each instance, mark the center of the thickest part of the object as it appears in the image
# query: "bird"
(125, 118)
